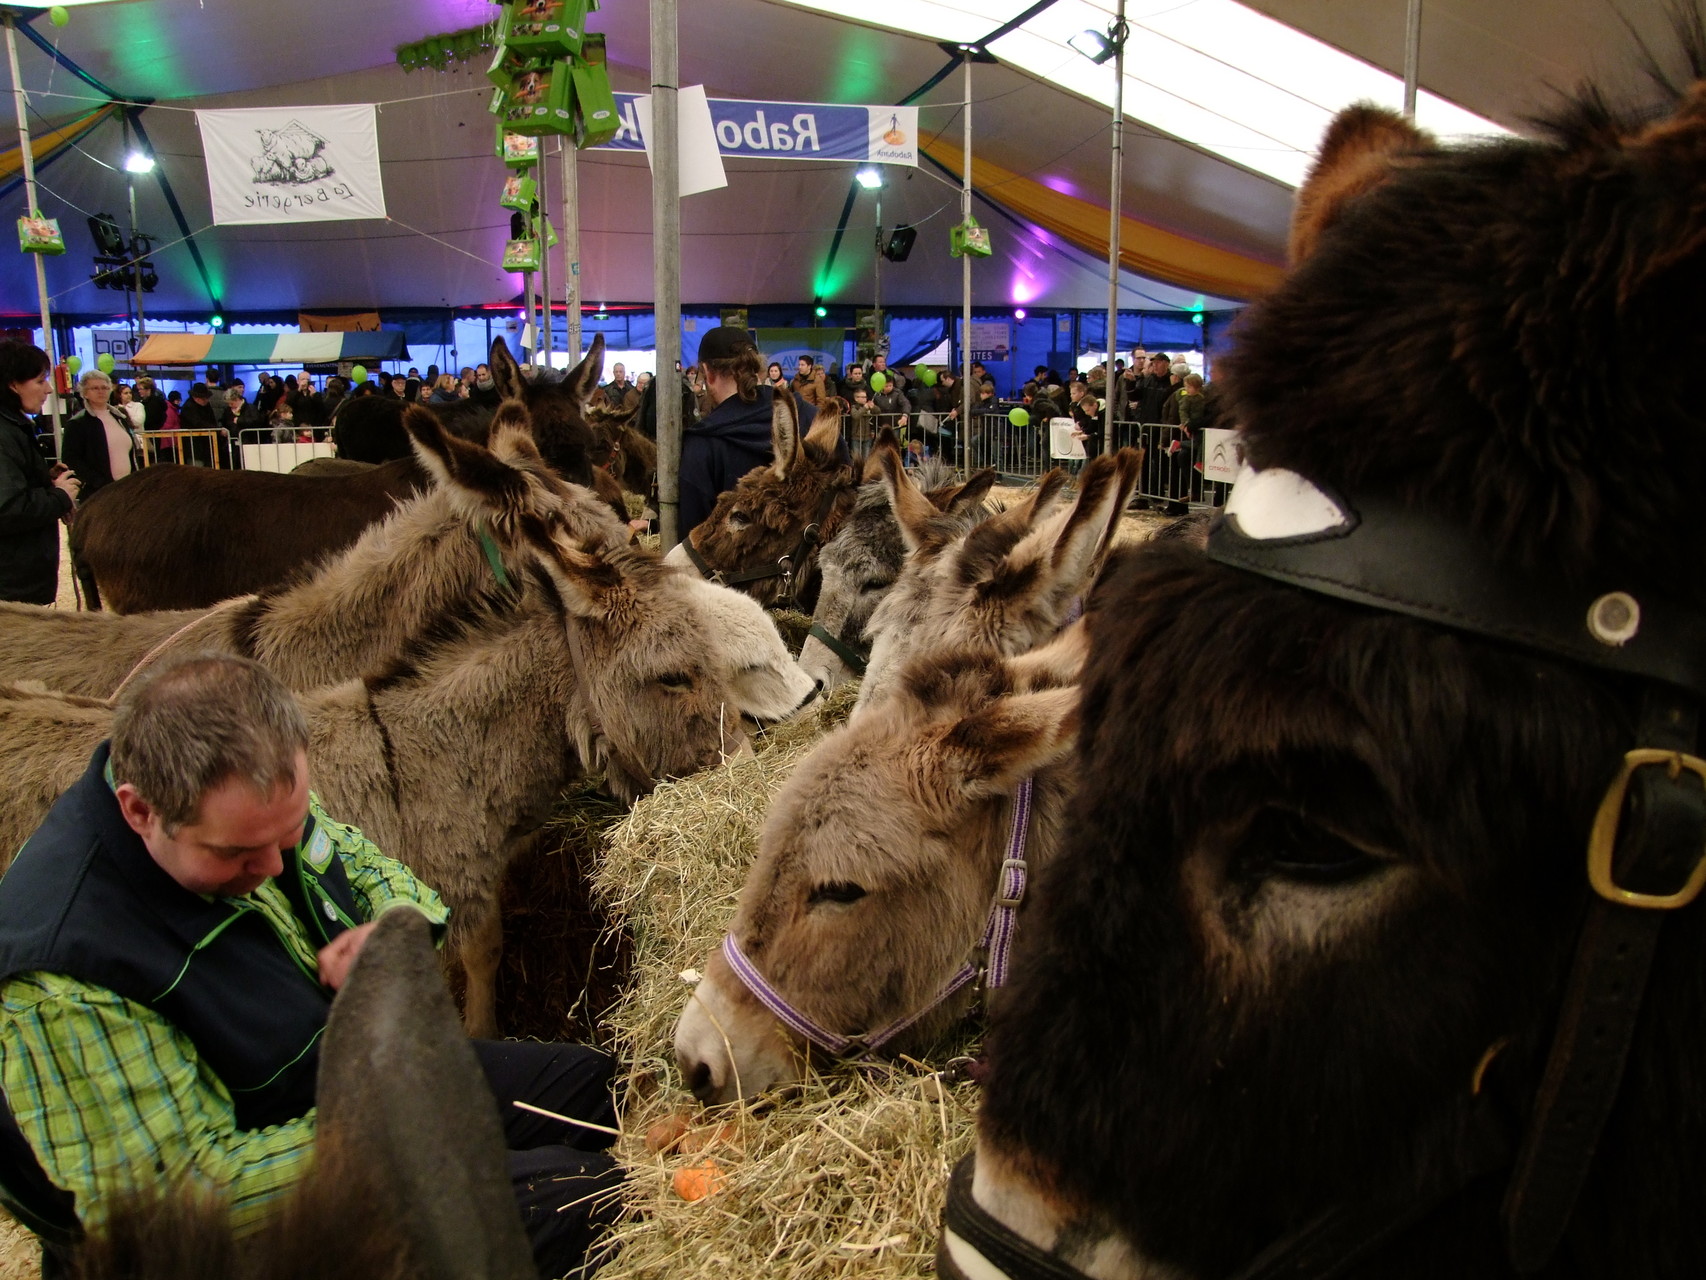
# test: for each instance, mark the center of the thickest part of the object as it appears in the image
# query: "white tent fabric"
(767, 238)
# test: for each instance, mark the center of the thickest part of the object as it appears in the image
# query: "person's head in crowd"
(234, 396)
(467, 375)
(880, 364)
(856, 376)
(729, 363)
(122, 394)
(483, 377)
(175, 397)
(210, 769)
(1039, 375)
(914, 451)
(414, 373)
(642, 380)
(432, 375)
(95, 388)
(411, 390)
(144, 388)
(1193, 384)
(199, 392)
(399, 385)
(807, 366)
(946, 377)
(1029, 392)
(861, 397)
(1177, 370)
(619, 373)
(773, 374)
(1159, 363)
(23, 377)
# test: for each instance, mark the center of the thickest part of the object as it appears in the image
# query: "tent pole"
(31, 206)
(546, 343)
(1119, 33)
(666, 262)
(1412, 57)
(966, 397)
(571, 234)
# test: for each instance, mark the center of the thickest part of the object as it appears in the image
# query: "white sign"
(1223, 456)
(117, 343)
(1061, 445)
(293, 164)
(698, 161)
(989, 341)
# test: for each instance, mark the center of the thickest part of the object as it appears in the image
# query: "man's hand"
(339, 954)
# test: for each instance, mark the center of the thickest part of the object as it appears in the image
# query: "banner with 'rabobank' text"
(795, 130)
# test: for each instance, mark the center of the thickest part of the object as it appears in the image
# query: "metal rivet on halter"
(1614, 618)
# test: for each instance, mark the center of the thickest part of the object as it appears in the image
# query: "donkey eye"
(1284, 843)
(739, 519)
(836, 891)
(677, 681)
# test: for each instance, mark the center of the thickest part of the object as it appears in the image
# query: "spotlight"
(1018, 313)
(139, 162)
(1093, 45)
(820, 311)
(870, 177)
(216, 320)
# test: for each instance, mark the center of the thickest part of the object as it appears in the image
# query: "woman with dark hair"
(33, 496)
(773, 375)
(98, 445)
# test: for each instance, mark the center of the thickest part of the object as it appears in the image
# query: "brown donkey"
(763, 535)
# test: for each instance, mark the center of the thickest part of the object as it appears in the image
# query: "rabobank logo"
(795, 130)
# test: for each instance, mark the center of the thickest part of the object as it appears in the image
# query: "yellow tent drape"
(1146, 249)
(43, 145)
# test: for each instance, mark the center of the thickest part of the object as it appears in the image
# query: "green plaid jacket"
(112, 1097)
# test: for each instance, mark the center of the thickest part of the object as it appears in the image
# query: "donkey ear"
(512, 432)
(912, 510)
(506, 373)
(591, 580)
(584, 378)
(484, 484)
(784, 433)
(885, 442)
(1055, 665)
(988, 752)
(824, 438)
(955, 498)
(1356, 155)
(1103, 491)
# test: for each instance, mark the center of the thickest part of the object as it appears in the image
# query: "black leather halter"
(788, 567)
(856, 659)
(1646, 853)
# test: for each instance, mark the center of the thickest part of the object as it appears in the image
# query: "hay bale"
(845, 1175)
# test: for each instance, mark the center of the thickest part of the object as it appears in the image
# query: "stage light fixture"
(870, 177)
(1094, 45)
(139, 162)
(900, 243)
(109, 243)
(820, 311)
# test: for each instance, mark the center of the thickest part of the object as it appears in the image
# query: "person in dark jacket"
(98, 444)
(153, 405)
(197, 415)
(734, 437)
(33, 496)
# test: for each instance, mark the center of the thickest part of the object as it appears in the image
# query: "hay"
(842, 1177)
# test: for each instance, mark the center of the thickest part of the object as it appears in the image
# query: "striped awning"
(270, 348)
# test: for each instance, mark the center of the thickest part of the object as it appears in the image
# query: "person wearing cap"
(734, 436)
(197, 415)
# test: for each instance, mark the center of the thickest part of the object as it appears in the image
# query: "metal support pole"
(967, 398)
(1119, 34)
(666, 262)
(877, 275)
(571, 234)
(1412, 57)
(545, 342)
(31, 206)
(135, 242)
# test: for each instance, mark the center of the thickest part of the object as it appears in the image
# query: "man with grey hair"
(171, 940)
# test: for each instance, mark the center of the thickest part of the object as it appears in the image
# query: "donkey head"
(1324, 884)
(1009, 582)
(875, 869)
(767, 684)
(861, 562)
(654, 699)
(557, 407)
(767, 515)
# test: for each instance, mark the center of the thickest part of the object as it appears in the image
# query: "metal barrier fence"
(282, 448)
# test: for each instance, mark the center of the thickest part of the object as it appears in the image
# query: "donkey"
(1320, 984)
(622, 449)
(606, 669)
(860, 564)
(409, 1176)
(876, 866)
(453, 553)
(763, 535)
(189, 537)
(1011, 580)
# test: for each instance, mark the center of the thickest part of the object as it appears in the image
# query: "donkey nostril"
(699, 1079)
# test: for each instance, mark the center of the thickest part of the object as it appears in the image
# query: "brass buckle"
(1602, 840)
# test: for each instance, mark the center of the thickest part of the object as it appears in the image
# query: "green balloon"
(359, 373)
(878, 382)
(58, 16)
(927, 375)
(74, 365)
(1019, 417)
(105, 362)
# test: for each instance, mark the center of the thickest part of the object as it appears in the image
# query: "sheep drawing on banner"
(291, 154)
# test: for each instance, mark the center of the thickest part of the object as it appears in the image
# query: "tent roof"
(767, 237)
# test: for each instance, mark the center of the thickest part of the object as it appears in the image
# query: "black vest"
(85, 899)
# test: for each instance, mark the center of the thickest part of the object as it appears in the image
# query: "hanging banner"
(360, 322)
(293, 164)
(793, 130)
(990, 341)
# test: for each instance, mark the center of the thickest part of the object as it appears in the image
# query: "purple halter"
(989, 957)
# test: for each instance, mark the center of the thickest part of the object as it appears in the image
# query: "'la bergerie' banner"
(795, 130)
(293, 164)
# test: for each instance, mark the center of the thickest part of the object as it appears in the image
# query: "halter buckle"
(1602, 840)
(1007, 865)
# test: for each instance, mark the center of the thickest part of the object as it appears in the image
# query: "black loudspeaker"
(900, 243)
(108, 242)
